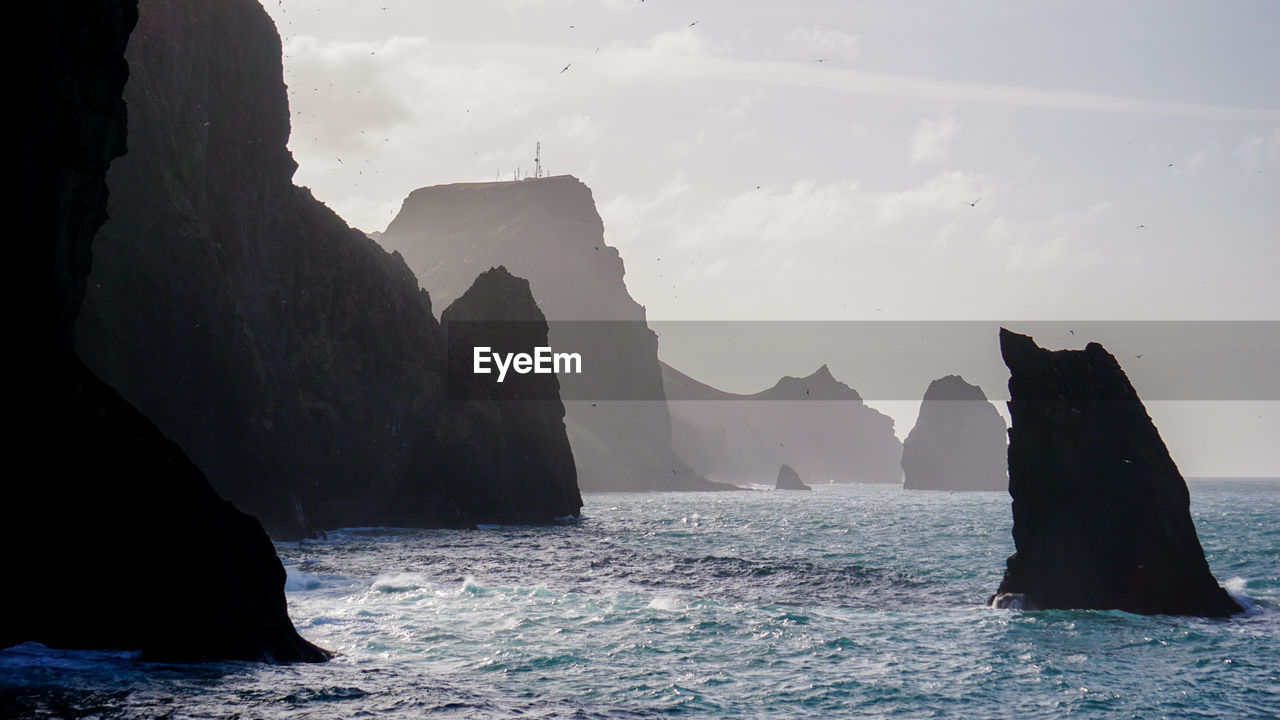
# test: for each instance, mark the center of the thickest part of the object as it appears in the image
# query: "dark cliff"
(815, 423)
(958, 442)
(548, 231)
(296, 362)
(788, 479)
(535, 477)
(112, 505)
(1101, 515)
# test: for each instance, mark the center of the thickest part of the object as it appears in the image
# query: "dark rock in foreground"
(958, 442)
(124, 545)
(535, 478)
(789, 480)
(1101, 514)
(295, 361)
(113, 538)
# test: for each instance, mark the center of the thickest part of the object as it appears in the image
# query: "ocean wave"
(667, 604)
(296, 580)
(1236, 587)
(401, 582)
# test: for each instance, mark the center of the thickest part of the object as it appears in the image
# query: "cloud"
(825, 43)
(1256, 151)
(579, 128)
(1201, 157)
(1043, 243)
(774, 225)
(825, 77)
(667, 56)
(843, 248)
(932, 138)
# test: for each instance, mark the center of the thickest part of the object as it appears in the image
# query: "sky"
(837, 160)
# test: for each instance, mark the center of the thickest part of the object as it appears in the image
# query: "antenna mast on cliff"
(537, 162)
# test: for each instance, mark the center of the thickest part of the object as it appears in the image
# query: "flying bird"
(695, 22)
(1141, 227)
(566, 68)
(974, 203)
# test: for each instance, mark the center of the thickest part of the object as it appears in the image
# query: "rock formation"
(296, 362)
(816, 424)
(116, 539)
(789, 480)
(958, 442)
(1101, 515)
(548, 231)
(532, 455)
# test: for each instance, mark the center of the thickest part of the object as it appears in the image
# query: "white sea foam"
(669, 604)
(1235, 587)
(296, 580)
(1011, 601)
(399, 582)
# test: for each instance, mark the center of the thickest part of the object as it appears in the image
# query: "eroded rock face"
(296, 362)
(1101, 514)
(958, 442)
(814, 423)
(789, 480)
(536, 478)
(548, 231)
(106, 518)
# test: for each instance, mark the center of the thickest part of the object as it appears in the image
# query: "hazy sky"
(816, 160)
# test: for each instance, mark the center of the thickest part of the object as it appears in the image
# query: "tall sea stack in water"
(114, 538)
(958, 442)
(548, 231)
(788, 479)
(295, 361)
(532, 454)
(1101, 515)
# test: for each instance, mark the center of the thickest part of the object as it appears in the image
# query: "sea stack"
(958, 442)
(548, 231)
(789, 479)
(535, 479)
(115, 539)
(1101, 515)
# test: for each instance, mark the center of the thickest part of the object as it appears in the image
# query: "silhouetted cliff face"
(535, 477)
(958, 442)
(548, 231)
(1101, 515)
(113, 508)
(816, 424)
(789, 480)
(296, 362)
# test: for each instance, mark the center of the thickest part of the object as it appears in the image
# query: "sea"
(848, 601)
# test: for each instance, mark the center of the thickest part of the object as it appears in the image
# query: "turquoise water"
(847, 601)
